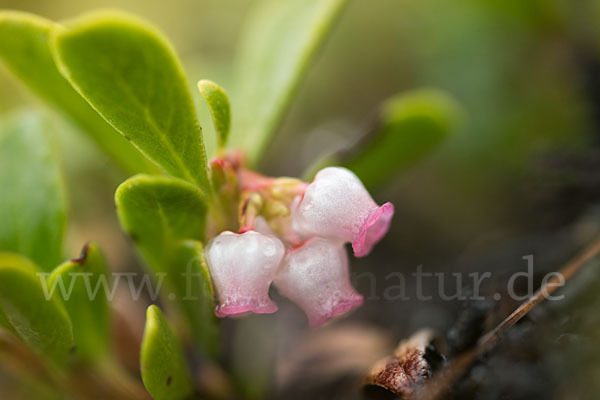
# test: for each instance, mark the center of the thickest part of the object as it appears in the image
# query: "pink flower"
(315, 276)
(242, 267)
(337, 205)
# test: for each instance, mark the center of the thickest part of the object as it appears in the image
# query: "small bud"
(315, 276)
(242, 267)
(217, 172)
(223, 175)
(337, 205)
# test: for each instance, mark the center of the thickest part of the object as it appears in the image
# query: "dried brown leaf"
(404, 372)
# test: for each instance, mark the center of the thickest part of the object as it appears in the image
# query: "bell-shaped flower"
(242, 267)
(337, 205)
(315, 276)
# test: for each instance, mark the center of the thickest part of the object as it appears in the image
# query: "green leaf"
(278, 46)
(166, 217)
(160, 211)
(130, 74)
(4, 323)
(40, 321)
(218, 105)
(25, 51)
(163, 367)
(409, 127)
(32, 204)
(85, 300)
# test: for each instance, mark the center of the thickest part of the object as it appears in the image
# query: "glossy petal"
(315, 276)
(242, 267)
(373, 229)
(337, 205)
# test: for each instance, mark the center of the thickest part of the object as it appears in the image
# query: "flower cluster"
(292, 234)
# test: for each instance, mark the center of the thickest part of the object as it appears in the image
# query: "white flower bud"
(337, 205)
(242, 267)
(315, 276)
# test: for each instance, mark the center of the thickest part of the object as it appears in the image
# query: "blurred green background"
(516, 177)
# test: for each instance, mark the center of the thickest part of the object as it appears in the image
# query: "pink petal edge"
(230, 310)
(342, 307)
(374, 228)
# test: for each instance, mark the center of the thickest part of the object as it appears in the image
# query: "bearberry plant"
(190, 212)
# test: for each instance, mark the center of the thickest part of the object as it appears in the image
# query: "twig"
(444, 379)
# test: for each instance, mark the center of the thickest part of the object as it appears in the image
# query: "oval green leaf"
(218, 105)
(82, 284)
(160, 211)
(162, 363)
(130, 75)
(32, 204)
(25, 50)
(39, 318)
(278, 45)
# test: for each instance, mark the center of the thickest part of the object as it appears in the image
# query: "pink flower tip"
(338, 307)
(373, 230)
(242, 306)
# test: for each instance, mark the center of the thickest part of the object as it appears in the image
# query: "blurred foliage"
(30, 174)
(30, 59)
(277, 46)
(406, 129)
(43, 325)
(409, 126)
